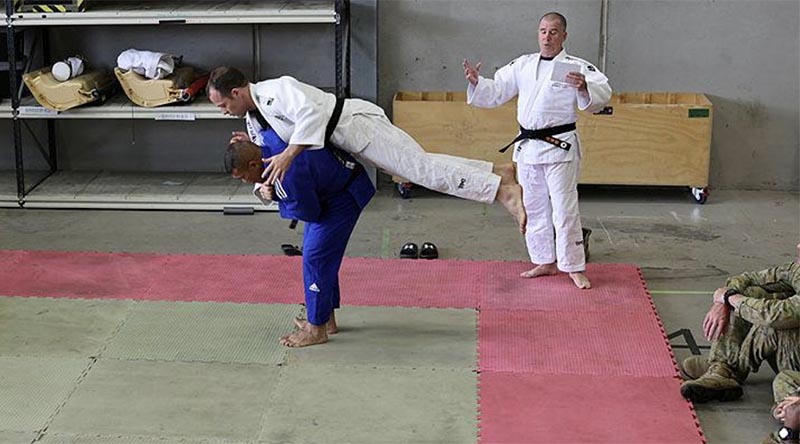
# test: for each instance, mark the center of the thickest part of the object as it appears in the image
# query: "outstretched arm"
(490, 93)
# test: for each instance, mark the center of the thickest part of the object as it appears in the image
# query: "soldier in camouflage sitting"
(764, 326)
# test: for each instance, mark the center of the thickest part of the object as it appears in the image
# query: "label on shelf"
(36, 111)
(176, 116)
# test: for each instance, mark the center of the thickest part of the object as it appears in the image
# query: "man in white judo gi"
(300, 114)
(547, 151)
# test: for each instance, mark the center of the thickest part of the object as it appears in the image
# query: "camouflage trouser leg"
(786, 383)
(744, 346)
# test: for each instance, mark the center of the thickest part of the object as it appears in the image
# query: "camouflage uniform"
(786, 383)
(766, 326)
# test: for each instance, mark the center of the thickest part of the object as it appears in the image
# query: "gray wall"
(303, 51)
(742, 54)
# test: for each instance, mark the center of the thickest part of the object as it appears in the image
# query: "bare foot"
(303, 338)
(540, 270)
(303, 324)
(507, 173)
(511, 198)
(581, 281)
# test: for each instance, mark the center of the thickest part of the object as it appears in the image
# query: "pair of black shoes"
(411, 251)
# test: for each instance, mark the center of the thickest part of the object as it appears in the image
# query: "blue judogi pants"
(324, 244)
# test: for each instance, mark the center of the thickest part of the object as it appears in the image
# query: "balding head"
(552, 34)
(554, 16)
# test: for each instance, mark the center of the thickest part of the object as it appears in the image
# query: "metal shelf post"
(16, 131)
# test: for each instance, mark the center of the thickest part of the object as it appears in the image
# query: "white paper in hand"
(561, 69)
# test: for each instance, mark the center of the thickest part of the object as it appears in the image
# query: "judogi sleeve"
(598, 91)
(310, 116)
(491, 93)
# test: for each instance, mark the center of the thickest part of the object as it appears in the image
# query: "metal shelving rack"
(220, 192)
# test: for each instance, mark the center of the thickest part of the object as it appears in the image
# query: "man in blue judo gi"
(326, 189)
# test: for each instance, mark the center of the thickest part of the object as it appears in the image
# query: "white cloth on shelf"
(153, 65)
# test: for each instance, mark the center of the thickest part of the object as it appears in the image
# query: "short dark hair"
(554, 15)
(224, 79)
(238, 154)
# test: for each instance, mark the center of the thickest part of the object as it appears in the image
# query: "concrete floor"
(685, 251)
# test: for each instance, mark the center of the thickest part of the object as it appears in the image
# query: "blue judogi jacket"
(314, 177)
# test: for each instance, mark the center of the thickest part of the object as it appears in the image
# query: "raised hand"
(472, 73)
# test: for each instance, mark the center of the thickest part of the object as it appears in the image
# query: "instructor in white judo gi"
(547, 151)
(300, 114)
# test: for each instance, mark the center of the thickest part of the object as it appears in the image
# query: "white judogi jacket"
(299, 113)
(542, 103)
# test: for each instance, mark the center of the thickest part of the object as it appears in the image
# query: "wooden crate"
(442, 122)
(649, 138)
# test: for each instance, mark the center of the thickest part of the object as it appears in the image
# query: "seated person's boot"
(717, 384)
(694, 367)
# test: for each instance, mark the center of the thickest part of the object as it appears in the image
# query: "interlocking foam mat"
(556, 364)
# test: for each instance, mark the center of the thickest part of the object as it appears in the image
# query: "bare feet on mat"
(581, 281)
(303, 324)
(540, 270)
(303, 338)
(511, 198)
(507, 173)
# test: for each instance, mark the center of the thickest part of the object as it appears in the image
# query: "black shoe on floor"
(409, 251)
(428, 251)
(291, 250)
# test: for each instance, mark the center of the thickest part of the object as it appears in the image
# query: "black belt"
(344, 158)
(545, 134)
(334, 120)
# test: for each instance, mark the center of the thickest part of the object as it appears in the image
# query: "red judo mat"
(595, 342)
(556, 364)
(235, 278)
(563, 365)
(529, 408)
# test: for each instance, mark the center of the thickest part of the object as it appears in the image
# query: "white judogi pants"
(550, 193)
(397, 153)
